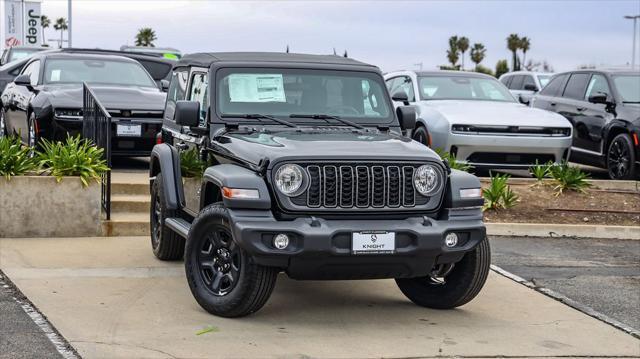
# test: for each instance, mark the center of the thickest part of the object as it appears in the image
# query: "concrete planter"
(39, 206)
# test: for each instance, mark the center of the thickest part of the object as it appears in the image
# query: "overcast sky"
(391, 34)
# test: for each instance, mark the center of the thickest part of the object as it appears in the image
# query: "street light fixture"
(633, 47)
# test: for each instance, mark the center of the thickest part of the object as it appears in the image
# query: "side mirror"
(407, 117)
(600, 98)
(187, 113)
(401, 96)
(523, 100)
(23, 80)
(164, 85)
(530, 87)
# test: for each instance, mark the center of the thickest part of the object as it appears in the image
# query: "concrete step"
(126, 224)
(129, 188)
(137, 203)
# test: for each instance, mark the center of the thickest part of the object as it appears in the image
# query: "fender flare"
(461, 180)
(165, 160)
(234, 176)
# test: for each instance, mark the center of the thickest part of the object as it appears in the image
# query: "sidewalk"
(110, 298)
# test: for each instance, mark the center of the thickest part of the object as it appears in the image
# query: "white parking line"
(568, 301)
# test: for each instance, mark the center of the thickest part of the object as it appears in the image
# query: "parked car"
(19, 52)
(45, 100)
(604, 108)
(475, 118)
(524, 84)
(307, 174)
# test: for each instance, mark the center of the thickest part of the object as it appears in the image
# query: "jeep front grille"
(360, 186)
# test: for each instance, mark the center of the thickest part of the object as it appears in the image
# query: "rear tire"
(166, 244)
(223, 278)
(461, 285)
(621, 158)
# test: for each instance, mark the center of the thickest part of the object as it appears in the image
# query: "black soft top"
(207, 59)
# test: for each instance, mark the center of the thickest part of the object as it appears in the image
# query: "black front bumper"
(321, 249)
(120, 146)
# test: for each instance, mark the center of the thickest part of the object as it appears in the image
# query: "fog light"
(451, 240)
(281, 241)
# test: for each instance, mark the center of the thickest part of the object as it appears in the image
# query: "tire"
(621, 158)
(241, 289)
(460, 286)
(166, 244)
(421, 135)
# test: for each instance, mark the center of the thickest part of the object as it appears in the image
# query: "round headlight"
(426, 180)
(289, 179)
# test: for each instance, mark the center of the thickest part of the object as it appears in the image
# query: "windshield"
(628, 87)
(544, 80)
(63, 71)
(456, 87)
(357, 96)
(18, 54)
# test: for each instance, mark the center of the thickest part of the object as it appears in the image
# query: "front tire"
(621, 158)
(421, 135)
(223, 278)
(459, 286)
(166, 244)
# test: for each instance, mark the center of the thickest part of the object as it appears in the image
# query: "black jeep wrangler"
(307, 173)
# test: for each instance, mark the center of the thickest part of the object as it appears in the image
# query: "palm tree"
(513, 44)
(525, 45)
(44, 23)
(145, 37)
(453, 52)
(478, 52)
(345, 54)
(61, 25)
(463, 46)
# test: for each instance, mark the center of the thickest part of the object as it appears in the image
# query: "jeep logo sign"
(21, 23)
(32, 33)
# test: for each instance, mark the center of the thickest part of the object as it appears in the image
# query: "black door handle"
(552, 104)
(580, 109)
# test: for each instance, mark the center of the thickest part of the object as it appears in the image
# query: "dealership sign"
(21, 21)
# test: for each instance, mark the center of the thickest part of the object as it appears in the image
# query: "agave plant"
(499, 195)
(15, 160)
(74, 157)
(540, 171)
(569, 178)
(453, 162)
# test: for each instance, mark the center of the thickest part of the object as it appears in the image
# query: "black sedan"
(45, 100)
(604, 108)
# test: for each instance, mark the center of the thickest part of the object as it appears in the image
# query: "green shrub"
(453, 162)
(191, 165)
(569, 178)
(15, 160)
(74, 157)
(540, 171)
(499, 195)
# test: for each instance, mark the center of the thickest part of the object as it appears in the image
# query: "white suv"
(523, 84)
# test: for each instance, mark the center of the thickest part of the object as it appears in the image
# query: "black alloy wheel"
(219, 261)
(620, 158)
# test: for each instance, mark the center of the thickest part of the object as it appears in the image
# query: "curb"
(568, 301)
(563, 230)
(597, 183)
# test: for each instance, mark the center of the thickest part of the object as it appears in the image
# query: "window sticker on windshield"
(55, 75)
(256, 88)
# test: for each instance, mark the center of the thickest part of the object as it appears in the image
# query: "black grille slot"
(362, 186)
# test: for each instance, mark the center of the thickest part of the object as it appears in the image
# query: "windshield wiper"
(257, 116)
(328, 117)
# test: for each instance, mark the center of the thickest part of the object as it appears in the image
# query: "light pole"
(633, 55)
(70, 22)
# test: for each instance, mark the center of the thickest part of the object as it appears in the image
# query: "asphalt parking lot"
(117, 301)
(603, 274)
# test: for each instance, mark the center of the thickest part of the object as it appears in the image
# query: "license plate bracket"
(128, 130)
(373, 242)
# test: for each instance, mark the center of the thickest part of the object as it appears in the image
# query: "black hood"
(112, 97)
(322, 144)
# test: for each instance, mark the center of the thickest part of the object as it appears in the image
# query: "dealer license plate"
(377, 242)
(123, 130)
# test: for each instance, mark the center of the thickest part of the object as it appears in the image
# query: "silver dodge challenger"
(475, 118)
